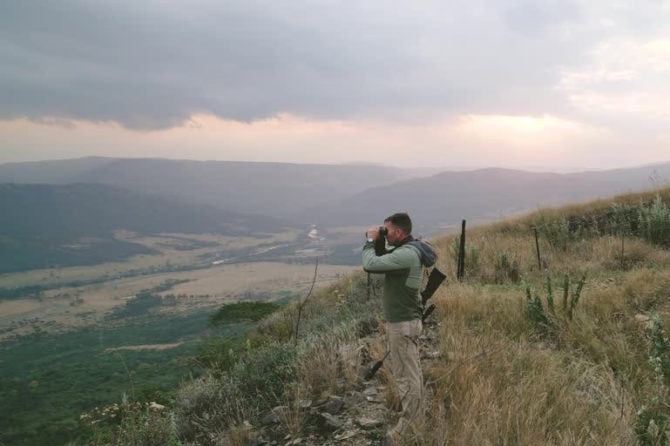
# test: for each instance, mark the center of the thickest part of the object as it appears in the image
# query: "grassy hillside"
(573, 352)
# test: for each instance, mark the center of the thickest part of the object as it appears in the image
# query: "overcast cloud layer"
(151, 65)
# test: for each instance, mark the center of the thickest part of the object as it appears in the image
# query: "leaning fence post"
(537, 249)
(623, 236)
(461, 254)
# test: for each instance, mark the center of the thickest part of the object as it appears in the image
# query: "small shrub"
(623, 219)
(655, 222)
(535, 310)
(472, 262)
(253, 384)
(130, 423)
(557, 232)
(505, 270)
(242, 311)
(660, 349)
(653, 419)
(651, 423)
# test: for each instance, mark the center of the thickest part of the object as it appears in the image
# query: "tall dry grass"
(596, 378)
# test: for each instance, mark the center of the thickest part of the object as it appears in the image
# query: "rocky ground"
(358, 417)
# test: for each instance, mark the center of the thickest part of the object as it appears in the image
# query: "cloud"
(154, 64)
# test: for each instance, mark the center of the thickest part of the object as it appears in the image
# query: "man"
(402, 267)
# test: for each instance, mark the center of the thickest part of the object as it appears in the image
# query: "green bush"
(654, 222)
(243, 311)
(659, 357)
(543, 317)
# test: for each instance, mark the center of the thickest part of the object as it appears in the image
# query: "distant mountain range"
(274, 189)
(446, 198)
(340, 194)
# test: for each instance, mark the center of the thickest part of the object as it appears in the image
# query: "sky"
(550, 85)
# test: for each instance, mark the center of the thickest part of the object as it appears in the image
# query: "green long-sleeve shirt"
(402, 270)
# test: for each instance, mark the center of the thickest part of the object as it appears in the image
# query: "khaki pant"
(403, 338)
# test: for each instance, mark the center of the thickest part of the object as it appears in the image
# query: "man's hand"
(373, 233)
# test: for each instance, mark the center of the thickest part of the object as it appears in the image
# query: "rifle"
(378, 365)
(435, 279)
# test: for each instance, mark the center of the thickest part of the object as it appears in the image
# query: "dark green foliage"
(138, 305)
(655, 222)
(557, 233)
(21, 254)
(623, 219)
(243, 311)
(254, 384)
(144, 301)
(36, 290)
(24, 291)
(48, 380)
(660, 348)
(535, 309)
(566, 292)
(575, 296)
(648, 220)
(651, 424)
(653, 419)
(550, 297)
(262, 374)
(67, 225)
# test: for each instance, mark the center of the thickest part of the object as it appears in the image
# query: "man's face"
(395, 234)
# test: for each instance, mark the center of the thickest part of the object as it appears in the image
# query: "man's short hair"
(401, 220)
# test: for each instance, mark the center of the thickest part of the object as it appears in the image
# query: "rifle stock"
(434, 281)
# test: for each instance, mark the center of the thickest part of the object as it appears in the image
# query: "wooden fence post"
(460, 274)
(537, 249)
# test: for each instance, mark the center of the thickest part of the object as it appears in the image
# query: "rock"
(642, 318)
(156, 406)
(370, 391)
(431, 355)
(333, 406)
(331, 421)
(346, 435)
(274, 416)
(305, 404)
(369, 423)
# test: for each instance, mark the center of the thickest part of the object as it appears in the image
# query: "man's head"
(399, 226)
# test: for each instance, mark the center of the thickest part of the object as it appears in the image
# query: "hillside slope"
(47, 225)
(487, 194)
(574, 352)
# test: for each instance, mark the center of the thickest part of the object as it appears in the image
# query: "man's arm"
(395, 260)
